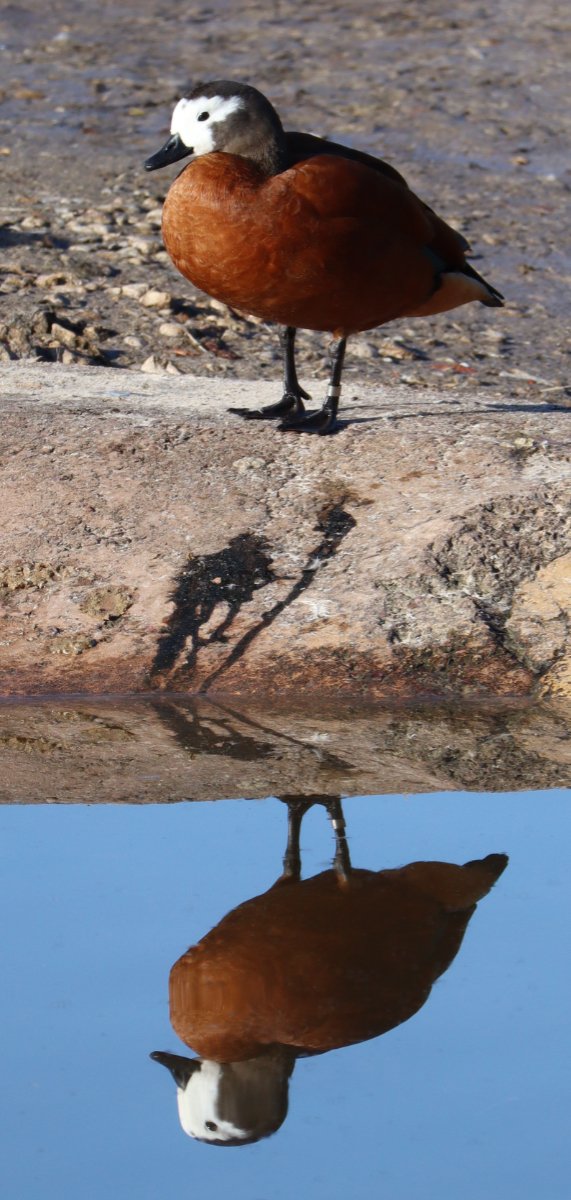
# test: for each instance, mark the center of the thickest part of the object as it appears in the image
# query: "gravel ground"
(473, 109)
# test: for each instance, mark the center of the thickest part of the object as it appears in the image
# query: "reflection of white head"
(231, 1104)
(195, 120)
(198, 1107)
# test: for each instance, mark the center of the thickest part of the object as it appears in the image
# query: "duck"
(307, 967)
(302, 232)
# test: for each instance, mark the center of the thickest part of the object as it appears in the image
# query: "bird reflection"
(310, 965)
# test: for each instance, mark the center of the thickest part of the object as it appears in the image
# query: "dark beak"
(169, 153)
(180, 1068)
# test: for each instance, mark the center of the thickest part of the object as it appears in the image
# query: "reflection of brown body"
(324, 962)
(307, 967)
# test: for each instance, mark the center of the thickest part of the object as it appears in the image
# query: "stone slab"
(152, 541)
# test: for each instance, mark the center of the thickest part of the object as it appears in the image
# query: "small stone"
(132, 340)
(142, 246)
(243, 465)
(134, 289)
(217, 306)
(107, 603)
(155, 299)
(74, 644)
(151, 367)
(66, 336)
(154, 216)
(169, 329)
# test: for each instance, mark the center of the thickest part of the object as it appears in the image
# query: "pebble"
(169, 329)
(154, 217)
(151, 367)
(132, 289)
(154, 298)
(67, 336)
(243, 465)
(142, 246)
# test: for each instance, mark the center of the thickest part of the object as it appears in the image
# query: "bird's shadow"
(10, 238)
(211, 589)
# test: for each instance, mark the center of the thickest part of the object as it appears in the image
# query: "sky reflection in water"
(469, 1097)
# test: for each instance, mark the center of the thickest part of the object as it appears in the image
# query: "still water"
(469, 1097)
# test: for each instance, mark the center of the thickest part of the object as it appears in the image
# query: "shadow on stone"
(217, 734)
(230, 577)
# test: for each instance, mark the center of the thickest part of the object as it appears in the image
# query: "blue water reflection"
(469, 1097)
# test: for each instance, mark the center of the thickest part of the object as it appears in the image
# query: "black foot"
(290, 405)
(322, 422)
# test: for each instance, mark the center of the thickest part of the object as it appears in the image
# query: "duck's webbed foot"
(325, 420)
(290, 405)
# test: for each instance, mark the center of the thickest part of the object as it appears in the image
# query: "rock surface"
(172, 748)
(151, 541)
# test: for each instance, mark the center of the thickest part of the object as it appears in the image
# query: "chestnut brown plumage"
(309, 966)
(304, 232)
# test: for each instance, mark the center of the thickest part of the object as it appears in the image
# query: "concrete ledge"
(152, 541)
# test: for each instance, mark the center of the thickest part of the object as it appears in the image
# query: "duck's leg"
(342, 861)
(324, 420)
(291, 403)
(297, 807)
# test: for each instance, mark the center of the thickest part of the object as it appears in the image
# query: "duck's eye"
(210, 1124)
(203, 116)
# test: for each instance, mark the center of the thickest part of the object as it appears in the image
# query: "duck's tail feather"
(492, 298)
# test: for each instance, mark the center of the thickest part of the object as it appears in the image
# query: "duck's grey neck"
(272, 159)
(268, 152)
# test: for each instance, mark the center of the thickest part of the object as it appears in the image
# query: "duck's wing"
(306, 145)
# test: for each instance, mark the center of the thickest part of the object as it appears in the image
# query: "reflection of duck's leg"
(296, 810)
(342, 861)
(297, 806)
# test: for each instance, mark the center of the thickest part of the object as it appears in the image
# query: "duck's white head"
(195, 120)
(225, 116)
(230, 1104)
